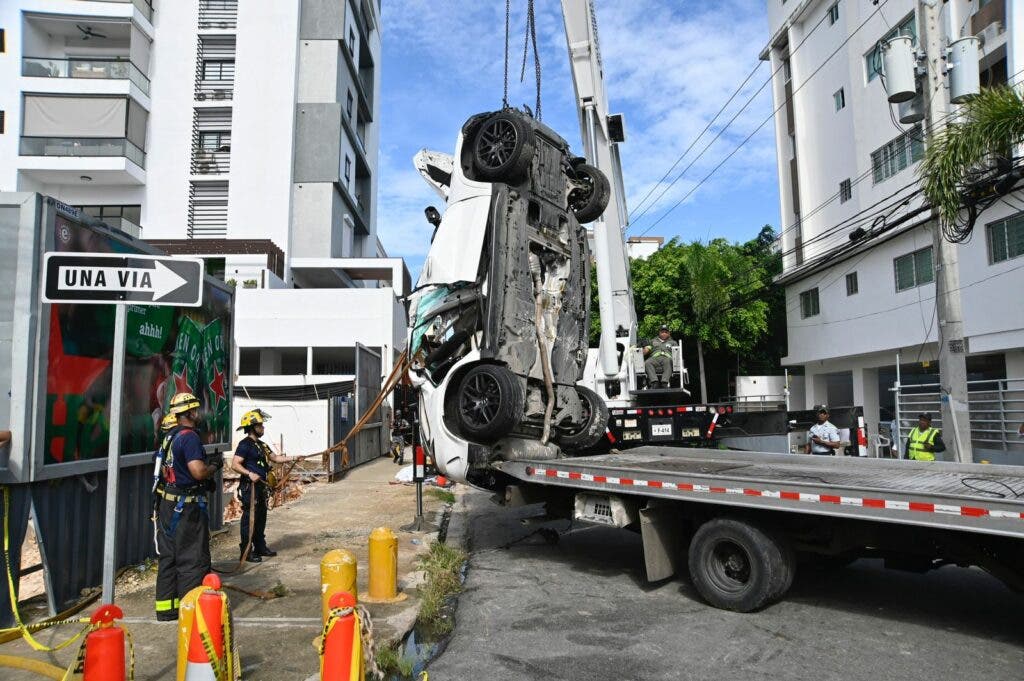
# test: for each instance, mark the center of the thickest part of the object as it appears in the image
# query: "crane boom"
(611, 373)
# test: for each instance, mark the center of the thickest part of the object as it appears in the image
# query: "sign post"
(104, 278)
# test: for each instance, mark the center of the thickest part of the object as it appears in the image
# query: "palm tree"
(991, 124)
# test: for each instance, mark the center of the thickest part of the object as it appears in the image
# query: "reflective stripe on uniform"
(167, 606)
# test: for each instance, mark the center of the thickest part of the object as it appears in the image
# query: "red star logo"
(217, 386)
(181, 384)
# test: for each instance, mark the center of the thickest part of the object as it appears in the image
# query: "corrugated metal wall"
(18, 505)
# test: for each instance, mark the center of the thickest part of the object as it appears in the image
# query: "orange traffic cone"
(205, 650)
(341, 650)
(104, 646)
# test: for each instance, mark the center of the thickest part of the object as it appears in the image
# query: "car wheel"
(489, 403)
(503, 148)
(588, 202)
(738, 566)
(595, 422)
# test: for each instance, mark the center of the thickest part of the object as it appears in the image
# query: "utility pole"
(952, 344)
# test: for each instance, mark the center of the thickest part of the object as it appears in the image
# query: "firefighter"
(183, 523)
(252, 461)
(659, 359)
(924, 441)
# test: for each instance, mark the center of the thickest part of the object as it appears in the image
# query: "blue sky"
(669, 66)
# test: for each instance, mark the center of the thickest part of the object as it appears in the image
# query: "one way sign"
(137, 279)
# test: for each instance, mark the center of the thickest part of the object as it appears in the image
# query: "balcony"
(125, 225)
(206, 162)
(218, 14)
(142, 5)
(106, 68)
(82, 146)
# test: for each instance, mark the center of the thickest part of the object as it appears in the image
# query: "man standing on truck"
(823, 437)
(924, 440)
(659, 359)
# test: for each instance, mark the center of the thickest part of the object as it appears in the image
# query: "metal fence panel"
(19, 501)
(369, 442)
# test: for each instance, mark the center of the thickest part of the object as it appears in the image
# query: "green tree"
(991, 124)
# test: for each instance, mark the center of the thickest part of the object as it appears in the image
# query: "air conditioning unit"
(218, 94)
(991, 32)
(201, 96)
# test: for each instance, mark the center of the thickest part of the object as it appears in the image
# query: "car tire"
(588, 204)
(738, 566)
(503, 148)
(488, 403)
(594, 424)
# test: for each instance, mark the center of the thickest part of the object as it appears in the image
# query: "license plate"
(690, 432)
(629, 423)
(661, 429)
(632, 435)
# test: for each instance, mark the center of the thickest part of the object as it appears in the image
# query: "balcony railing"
(214, 89)
(218, 14)
(211, 162)
(123, 224)
(144, 6)
(112, 69)
(82, 146)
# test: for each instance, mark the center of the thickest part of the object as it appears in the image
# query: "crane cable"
(529, 38)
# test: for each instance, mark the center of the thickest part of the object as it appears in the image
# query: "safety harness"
(165, 487)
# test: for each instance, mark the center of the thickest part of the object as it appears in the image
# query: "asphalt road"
(581, 609)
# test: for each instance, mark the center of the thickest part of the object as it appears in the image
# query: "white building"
(243, 132)
(857, 298)
(643, 247)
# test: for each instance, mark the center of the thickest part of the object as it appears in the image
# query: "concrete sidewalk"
(275, 637)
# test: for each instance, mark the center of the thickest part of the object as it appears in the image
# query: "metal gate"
(996, 410)
(346, 410)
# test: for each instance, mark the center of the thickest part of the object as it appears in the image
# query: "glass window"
(897, 155)
(851, 284)
(348, 104)
(839, 98)
(218, 69)
(873, 59)
(1006, 239)
(809, 303)
(914, 269)
(348, 167)
(845, 191)
(833, 14)
(351, 42)
(211, 141)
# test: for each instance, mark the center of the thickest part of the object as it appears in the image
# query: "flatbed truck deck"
(746, 518)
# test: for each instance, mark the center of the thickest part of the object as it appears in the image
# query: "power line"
(764, 122)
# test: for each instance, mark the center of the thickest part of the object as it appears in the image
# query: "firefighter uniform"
(256, 458)
(182, 520)
(659, 362)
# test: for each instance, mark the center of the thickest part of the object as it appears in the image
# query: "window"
(215, 141)
(914, 269)
(845, 191)
(839, 98)
(1, 122)
(348, 168)
(348, 104)
(873, 59)
(351, 42)
(895, 156)
(787, 73)
(130, 213)
(219, 69)
(851, 284)
(833, 14)
(809, 303)
(1006, 239)
(3, 41)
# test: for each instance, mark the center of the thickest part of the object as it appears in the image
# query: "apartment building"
(858, 267)
(246, 133)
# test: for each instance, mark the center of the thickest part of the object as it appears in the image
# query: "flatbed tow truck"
(740, 522)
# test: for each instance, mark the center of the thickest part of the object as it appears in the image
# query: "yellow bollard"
(338, 572)
(383, 567)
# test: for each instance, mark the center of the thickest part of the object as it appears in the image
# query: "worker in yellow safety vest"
(658, 362)
(924, 441)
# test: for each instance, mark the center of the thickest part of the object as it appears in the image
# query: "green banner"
(215, 381)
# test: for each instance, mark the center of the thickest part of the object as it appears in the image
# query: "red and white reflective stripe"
(862, 437)
(711, 428)
(419, 464)
(863, 502)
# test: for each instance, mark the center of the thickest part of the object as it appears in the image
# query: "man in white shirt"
(823, 437)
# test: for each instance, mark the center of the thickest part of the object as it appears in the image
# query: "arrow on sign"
(159, 281)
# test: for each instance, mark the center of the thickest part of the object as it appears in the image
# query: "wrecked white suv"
(501, 310)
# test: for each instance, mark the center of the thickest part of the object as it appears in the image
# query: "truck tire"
(488, 403)
(739, 566)
(503, 148)
(594, 424)
(588, 204)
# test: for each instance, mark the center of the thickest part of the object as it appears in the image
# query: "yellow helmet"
(252, 417)
(182, 402)
(168, 422)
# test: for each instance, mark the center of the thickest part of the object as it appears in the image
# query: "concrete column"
(865, 394)
(817, 390)
(309, 361)
(1015, 363)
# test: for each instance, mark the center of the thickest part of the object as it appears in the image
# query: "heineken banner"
(168, 350)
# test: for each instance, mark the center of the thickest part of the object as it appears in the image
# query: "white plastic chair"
(882, 442)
